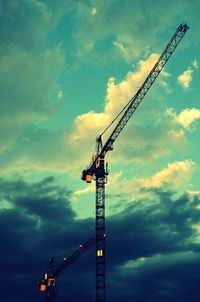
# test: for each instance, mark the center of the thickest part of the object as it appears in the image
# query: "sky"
(66, 69)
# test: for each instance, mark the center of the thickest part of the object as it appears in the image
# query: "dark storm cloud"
(36, 221)
(153, 257)
(156, 226)
(173, 277)
(151, 252)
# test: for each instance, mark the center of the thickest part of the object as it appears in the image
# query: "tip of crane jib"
(50, 259)
(183, 26)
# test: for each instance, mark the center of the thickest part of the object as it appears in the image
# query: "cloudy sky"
(66, 69)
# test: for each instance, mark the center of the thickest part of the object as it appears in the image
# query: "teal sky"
(67, 68)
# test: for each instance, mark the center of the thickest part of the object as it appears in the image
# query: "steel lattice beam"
(100, 239)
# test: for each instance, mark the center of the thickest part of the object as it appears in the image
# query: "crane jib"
(138, 97)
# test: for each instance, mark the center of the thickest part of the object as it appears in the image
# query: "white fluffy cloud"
(151, 139)
(62, 150)
(118, 94)
(176, 174)
(186, 117)
(175, 177)
(195, 64)
(88, 125)
(185, 78)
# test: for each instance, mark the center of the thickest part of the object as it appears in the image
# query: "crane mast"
(99, 171)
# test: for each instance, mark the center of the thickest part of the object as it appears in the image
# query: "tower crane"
(98, 169)
(48, 284)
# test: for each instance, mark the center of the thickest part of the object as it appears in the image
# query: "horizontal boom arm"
(135, 101)
(138, 97)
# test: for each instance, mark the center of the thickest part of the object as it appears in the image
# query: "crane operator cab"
(99, 171)
(48, 282)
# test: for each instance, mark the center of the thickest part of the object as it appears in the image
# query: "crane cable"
(116, 117)
(68, 254)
